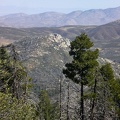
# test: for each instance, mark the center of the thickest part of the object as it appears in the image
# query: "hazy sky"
(65, 6)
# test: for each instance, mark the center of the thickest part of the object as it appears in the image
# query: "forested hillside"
(60, 80)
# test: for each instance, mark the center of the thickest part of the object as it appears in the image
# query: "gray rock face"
(44, 58)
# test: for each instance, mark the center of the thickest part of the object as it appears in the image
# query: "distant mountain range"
(54, 19)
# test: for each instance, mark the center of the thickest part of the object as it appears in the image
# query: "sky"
(63, 6)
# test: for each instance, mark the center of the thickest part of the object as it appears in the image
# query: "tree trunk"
(60, 99)
(104, 100)
(82, 102)
(68, 94)
(93, 102)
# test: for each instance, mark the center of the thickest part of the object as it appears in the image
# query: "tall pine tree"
(13, 77)
(81, 69)
(47, 110)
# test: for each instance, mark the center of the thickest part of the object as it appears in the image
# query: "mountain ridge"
(44, 58)
(55, 19)
(105, 37)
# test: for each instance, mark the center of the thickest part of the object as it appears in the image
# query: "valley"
(105, 37)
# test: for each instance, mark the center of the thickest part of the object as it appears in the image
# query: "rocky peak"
(59, 41)
(44, 58)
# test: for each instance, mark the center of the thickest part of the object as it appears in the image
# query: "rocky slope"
(44, 58)
(110, 31)
(50, 19)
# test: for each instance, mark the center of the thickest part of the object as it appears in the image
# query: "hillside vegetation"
(91, 92)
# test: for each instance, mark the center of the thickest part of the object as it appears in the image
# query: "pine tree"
(81, 69)
(47, 110)
(13, 77)
(107, 75)
(14, 109)
(21, 81)
(14, 84)
(94, 93)
(111, 92)
(5, 69)
(115, 90)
